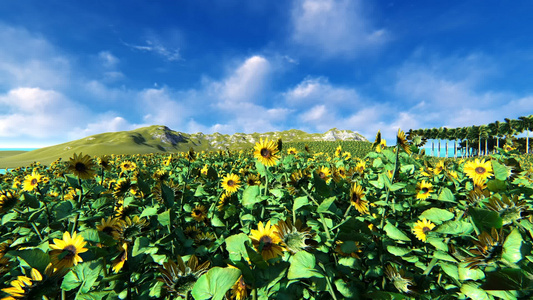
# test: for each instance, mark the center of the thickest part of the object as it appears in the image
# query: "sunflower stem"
(328, 282)
(254, 294)
(37, 231)
(45, 206)
(79, 204)
(322, 220)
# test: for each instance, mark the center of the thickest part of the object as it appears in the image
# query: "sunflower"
(439, 168)
(253, 179)
(339, 174)
(265, 152)
(119, 261)
(324, 173)
(128, 166)
(179, 278)
(399, 280)
(423, 190)
(204, 170)
(224, 199)
(191, 155)
(31, 181)
(509, 209)
(21, 286)
(266, 241)
(292, 151)
(356, 199)
(191, 232)
(402, 141)
(348, 248)
(488, 248)
(377, 142)
(338, 151)
(294, 237)
(230, 183)
(161, 175)
(199, 213)
(238, 290)
(298, 180)
(204, 239)
(8, 199)
(421, 228)
(103, 162)
(81, 166)
(65, 252)
(111, 226)
(478, 170)
(360, 167)
(122, 186)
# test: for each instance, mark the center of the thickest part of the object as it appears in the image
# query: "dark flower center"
(80, 167)
(322, 175)
(266, 241)
(197, 212)
(126, 166)
(108, 229)
(265, 153)
(425, 190)
(34, 181)
(426, 229)
(480, 170)
(231, 183)
(71, 251)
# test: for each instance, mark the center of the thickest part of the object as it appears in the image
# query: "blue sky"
(69, 69)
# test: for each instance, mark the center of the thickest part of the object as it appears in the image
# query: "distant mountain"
(160, 139)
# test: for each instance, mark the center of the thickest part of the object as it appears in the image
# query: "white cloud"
(27, 59)
(319, 91)
(159, 107)
(35, 112)
(335, 27)
(107, 122)
(108, 59)
(244, 84)
(156, 47)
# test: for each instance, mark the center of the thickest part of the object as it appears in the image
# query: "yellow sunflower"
(230, 183)
(199, 213)
(421, 228)
(266, 241)
(338, 151)
(104, 163)
(119, 261)
(31, 181)
(128, 166)
(423, 190)
(8, 199)
(401, 140)
(266, 152)
(478, 170)
(292, 151)
(22, 285)
(253, 179)
(81, 166)
(204, 170)
(324, 173)
(356, 199)
(65, 252)
(238, 290)
(111, 226)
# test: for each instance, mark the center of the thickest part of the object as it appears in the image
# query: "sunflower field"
(275, 222)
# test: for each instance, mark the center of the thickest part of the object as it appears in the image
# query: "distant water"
(442, 152)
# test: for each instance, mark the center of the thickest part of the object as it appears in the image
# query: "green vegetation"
(314, 225)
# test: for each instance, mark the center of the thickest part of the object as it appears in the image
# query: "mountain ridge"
(162, 139)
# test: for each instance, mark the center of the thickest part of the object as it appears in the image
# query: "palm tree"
(446, 137)
(473, 134)
(526, 123)
(483, 133)
(495, 130)
(452, 134)
(432, 134)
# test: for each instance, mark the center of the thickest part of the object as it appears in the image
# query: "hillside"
(160, 139)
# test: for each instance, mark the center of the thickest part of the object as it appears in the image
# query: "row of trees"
(476, 140)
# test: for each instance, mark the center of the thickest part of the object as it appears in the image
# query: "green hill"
(161, 139)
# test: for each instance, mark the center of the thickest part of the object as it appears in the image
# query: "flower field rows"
(275, 222)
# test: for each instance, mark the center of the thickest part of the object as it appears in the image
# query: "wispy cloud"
(158, 48)
(335, 27)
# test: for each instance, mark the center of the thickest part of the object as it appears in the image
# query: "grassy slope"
(142, 141)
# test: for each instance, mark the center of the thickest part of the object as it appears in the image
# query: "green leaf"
(215, 283)
(450, 269)
(397, 186)
(455, 228)
(437, 215)
(398, 251)
(216, 222)
(303, 266)
(164, 218)
(299, 202)
(168, 195)
(511, 247)
(446, 195)
(437, 242)
(347, 289)
(469, 273)
(395, 233)
(500, 171)
(63, 210)
(91, 235)
(35, 258)
(507, 279)
(250, 196)
(142, 245)
(235, 246)
(472, 291)
(496, 185)
(149, 211)
(327, 206)
(200, 191)
(84, 274)
(485, 219)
